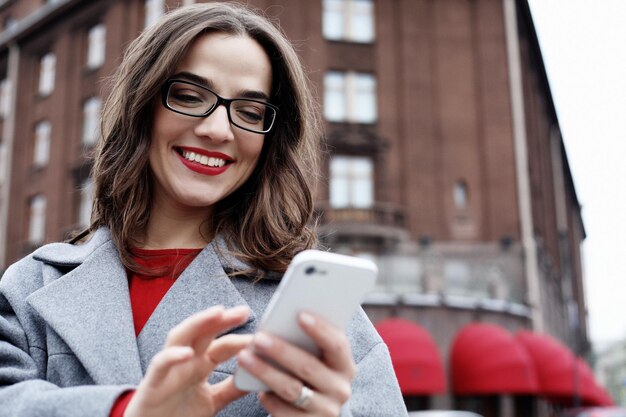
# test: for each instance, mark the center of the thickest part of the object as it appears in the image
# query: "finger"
(187, 330)
(226, 347)
(225, 392)
(333, 342)
(231, 317)
(200, 329)
(277, 407)
(303, 365)
(160, 368)
(320, 405)
(283, 385)
(198, 370)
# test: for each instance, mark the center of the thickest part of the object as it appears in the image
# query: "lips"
(204, 162)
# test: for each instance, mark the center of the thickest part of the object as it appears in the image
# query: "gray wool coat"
(67, 341)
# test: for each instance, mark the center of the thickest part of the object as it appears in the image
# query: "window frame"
(153, 10)
(95, 55)
(348, 13)
(47, 74)
(91, 121)
(354, 180)
(41, 144)
(352, 96)
(37, 207)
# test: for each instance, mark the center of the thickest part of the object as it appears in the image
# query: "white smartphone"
(327, 284)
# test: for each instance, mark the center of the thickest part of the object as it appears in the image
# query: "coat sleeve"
(24, 391)
(375, 389)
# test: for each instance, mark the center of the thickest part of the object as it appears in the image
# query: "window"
(458, 277)
(350, 96)
(41, 151)
(460, 195)
(154, 9)
(37, 220)
(5, 97)
(188, 2)
(91, 119)
(86, 201)
(47, 69)
(96, 45)
(348, 20)
(351, 182)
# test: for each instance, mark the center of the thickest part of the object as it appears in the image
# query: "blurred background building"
(611, 370)
(446, 167)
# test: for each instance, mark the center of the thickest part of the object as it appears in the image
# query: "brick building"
(445, 164)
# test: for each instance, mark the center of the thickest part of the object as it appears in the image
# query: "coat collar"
(89, 307)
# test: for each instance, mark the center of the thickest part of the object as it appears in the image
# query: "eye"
(250, 111)
(186, 95)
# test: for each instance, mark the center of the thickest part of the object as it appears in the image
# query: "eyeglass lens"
(197, 101)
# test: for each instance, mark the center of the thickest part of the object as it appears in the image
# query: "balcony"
(384, 221)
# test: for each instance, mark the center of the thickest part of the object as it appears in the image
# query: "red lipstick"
(204, 169)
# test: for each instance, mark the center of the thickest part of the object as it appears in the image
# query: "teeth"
(203, 159)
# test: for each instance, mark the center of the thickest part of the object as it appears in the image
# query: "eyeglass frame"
(165, 89)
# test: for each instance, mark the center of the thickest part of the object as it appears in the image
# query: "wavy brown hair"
(268, 219)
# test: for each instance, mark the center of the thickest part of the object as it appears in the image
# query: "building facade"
(445, 162)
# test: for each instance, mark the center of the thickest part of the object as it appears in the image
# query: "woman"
(203, 196)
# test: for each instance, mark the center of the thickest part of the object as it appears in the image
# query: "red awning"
(414, 356)
(555, 364)
(590, 392)
(486, 359)
(605, 397)
(562, 375)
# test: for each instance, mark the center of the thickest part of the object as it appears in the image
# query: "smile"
(203, 159)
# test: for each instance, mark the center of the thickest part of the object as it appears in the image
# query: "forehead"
(230, 63)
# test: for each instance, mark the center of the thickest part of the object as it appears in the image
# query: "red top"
(146, 292)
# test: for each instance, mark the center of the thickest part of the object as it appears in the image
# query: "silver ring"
(304, 399)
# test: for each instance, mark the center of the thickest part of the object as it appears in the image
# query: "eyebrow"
(189, 76)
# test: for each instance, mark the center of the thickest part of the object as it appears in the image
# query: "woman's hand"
(176, 384)
(329, 377)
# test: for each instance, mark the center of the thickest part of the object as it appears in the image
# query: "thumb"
(225, 392)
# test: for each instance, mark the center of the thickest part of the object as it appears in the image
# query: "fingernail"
(307, 319)
(262, 340)
(182, 352)
(238, 311)
(245, 356)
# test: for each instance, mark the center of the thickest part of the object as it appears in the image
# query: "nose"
(216, 126)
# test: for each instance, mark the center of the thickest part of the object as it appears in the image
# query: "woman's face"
(232, 66)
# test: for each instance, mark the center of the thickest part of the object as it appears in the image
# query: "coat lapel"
(202, 285)
(89, 308)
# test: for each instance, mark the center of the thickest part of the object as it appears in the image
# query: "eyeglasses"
(191, 99)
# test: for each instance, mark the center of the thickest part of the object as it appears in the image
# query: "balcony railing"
(381, 214)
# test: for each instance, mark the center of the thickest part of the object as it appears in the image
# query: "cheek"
(165, 124)
(252, 149)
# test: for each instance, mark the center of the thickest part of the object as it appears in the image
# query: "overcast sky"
(584, 48)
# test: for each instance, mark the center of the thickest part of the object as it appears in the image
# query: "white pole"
(521, 163)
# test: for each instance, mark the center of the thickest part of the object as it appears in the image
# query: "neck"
(176, 227)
